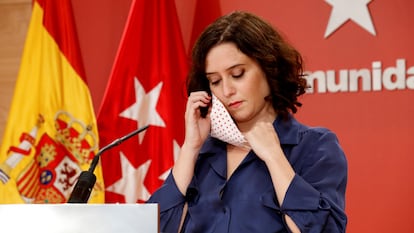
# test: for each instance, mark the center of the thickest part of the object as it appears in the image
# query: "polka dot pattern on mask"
(223, 126)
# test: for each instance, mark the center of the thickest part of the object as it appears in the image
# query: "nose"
(228, 87)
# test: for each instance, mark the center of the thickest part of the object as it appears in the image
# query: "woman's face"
(239, 83)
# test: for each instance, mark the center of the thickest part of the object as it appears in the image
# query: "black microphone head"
(83, 188)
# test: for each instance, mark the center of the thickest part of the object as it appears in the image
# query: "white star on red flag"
(131, 185)
(344, 10)
(144, 109)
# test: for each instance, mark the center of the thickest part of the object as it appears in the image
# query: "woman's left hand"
(264, 140)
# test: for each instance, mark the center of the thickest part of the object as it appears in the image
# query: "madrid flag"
(51, 133)
(146, 88)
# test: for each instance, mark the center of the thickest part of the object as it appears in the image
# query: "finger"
(198, 99)
(199, 96)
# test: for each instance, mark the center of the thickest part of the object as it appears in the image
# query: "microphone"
(87, 179)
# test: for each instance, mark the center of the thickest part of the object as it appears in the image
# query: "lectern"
(79, 218)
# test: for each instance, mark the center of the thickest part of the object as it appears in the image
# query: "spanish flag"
(51, 133)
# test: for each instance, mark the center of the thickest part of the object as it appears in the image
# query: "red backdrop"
(370, 56)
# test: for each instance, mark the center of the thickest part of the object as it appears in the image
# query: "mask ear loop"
(223, 127)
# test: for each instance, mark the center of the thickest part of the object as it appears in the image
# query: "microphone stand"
(87, 179)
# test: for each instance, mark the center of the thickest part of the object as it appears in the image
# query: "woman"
(285, 176)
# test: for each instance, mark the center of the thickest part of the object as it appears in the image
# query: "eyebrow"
(229, 68)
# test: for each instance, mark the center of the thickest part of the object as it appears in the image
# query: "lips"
(235, 104)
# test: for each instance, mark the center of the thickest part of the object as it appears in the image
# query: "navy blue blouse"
(247, 202)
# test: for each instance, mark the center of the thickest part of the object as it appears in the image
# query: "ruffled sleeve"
(315, 199)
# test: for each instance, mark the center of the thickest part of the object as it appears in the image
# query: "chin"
(239, 119)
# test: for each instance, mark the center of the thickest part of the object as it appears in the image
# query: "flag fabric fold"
(146, 88)
(206, 12)
(51, 133)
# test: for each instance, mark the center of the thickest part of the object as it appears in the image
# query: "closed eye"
(215, 82)
(238, 74)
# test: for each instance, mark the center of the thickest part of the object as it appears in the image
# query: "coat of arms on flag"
(52, 171)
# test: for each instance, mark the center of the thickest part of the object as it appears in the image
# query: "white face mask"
(223, 126)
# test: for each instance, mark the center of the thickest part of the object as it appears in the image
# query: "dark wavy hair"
(257, 39)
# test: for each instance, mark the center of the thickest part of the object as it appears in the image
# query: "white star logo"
(144, 110)
(176, 151)
(344, 10)
(131, 185)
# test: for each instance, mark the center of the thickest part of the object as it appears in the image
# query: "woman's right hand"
(197, 127)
